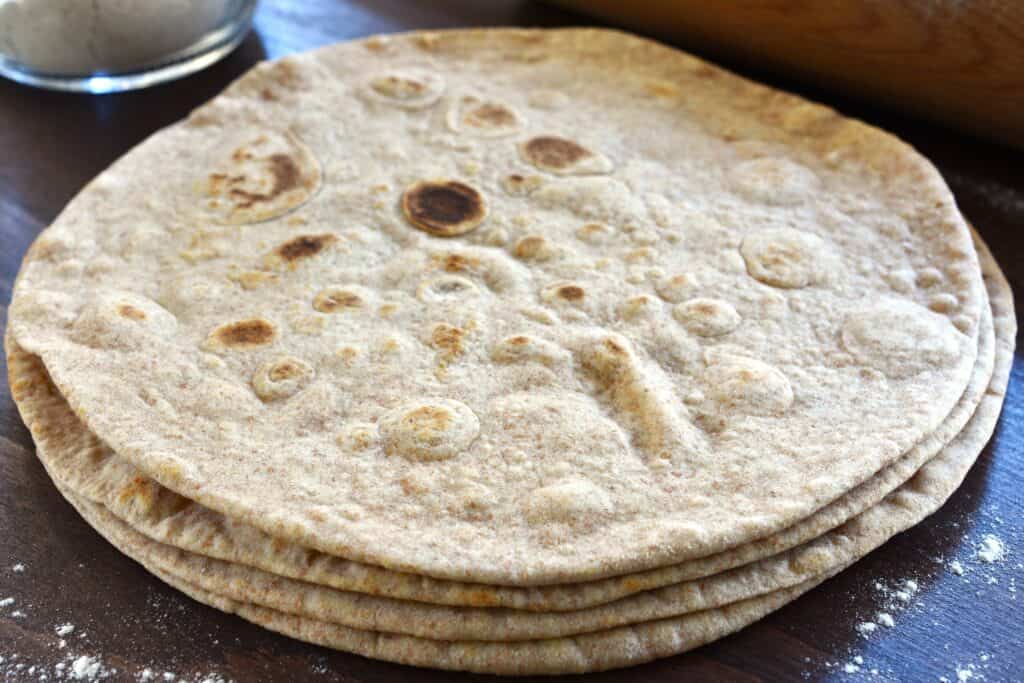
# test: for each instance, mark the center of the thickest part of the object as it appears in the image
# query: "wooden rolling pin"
(957, 61)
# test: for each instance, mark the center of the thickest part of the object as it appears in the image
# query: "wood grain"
(51, 145)
(958, 61)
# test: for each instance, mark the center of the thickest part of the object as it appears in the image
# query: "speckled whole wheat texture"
(637, 643)
(80, 462)
(825, 555)
(520, 404)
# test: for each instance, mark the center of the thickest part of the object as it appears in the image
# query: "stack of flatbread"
(508, 351)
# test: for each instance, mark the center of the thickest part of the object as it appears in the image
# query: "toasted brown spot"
(552, 152)
(661, 89)
(448, 338)
(412, 486)
(614, 347)
(137, 488)
(533, 247)
(571, 292)
(304, 246)
(444, 208)
(286, 176)
(333, 300)
(348, 355)
(401, 87)
(128, 311)
(251, 279)
(284, 370)
(490, 115)
(245, 333)
(457, 263)
(429, 423)
(518, 341)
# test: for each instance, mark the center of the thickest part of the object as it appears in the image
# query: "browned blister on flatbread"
(265, 175)
(444, 208)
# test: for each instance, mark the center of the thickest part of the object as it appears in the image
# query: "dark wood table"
(52, 144)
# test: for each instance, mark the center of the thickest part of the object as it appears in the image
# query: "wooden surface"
(960, 61)
(52, 144)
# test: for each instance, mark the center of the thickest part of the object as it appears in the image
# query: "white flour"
(85, 668)
(991, 549)
(102, 35)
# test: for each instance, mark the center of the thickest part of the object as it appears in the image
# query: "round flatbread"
(675, 311)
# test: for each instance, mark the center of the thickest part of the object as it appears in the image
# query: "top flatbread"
(509, 306)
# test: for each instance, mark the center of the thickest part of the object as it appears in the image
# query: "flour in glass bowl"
(76, 38)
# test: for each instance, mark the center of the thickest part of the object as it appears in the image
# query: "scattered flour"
(885, 619)
(991, 549)
(86, 668)
(963, 675)
(18, 568)
(65, 629)
(956, 567)
(866, 628)
(6, 602)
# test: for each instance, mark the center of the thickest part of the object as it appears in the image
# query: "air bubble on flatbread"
(493, 268)
(358, 437)
(548, 99)
(448, 340)
(594, 233)
(281, 378)
(241, 335)
(408, 89)
(519, 185)
(443, 208)
(747, 385)
(706, 317)
(266, 175)
(297, 249)
(564, 293)
(525, 348)
(677, 287)
(900, 338)
(637, 307)
(447, 288)
(943, 303)
(122, 320)
(593, 198)
(473, 115)
(429, 429)
(341, 299)
(533, 248)
(787, 258)
(562, 156)
(576, 502)
(773, 181)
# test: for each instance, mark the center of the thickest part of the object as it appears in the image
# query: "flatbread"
(629, 645)
(78, 461)
(518, 353)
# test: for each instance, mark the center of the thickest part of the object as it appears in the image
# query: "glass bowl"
(113, 45)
